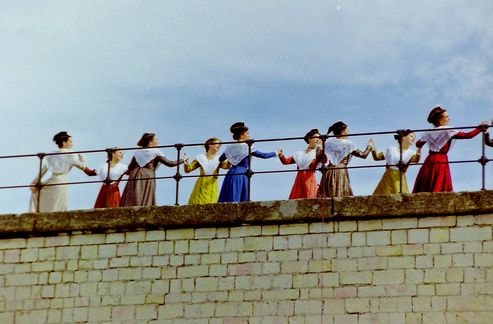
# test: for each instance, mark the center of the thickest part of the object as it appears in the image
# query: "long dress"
(53, 197)
(434, 174)
(140, 189)
(235, 184)
(390, 182)
(335, 180)
(305, 183)
(109, 194)
(205, 190)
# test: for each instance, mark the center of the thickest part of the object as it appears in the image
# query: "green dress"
(206, 190)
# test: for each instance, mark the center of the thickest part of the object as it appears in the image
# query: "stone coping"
(261, 212)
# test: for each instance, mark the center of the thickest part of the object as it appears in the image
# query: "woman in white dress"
(47, 195)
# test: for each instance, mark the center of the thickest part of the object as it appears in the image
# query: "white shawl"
(338, 149)
(209, 166)
(146, 155)
(392, 156)
(235, 153)
(437, 139)
(304, 159)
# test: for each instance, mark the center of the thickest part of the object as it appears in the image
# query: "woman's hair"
(237, 129)
(310, 134)
(145, 139)
(210, 141)
(111, 151)
(435, 114)
(337, 128)
(402, 133)
(60, 138)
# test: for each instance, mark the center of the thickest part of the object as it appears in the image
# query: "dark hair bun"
(237, 129)
(435, 115)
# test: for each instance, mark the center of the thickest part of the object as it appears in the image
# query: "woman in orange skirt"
(109, 194)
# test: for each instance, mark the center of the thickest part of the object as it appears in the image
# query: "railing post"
(249, 172)
(177, 175)
(107, 180)
(38, 185)
(401, 163)
(483, 160)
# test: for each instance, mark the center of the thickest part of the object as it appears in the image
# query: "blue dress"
(235, 184)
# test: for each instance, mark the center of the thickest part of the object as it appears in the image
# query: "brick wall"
(393, 270)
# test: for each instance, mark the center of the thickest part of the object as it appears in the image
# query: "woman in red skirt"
(307, 162)
(109, 194)
(434, 175)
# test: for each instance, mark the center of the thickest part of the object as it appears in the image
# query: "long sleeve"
(468, 135)
(286, 160)
(192, 166)
(44, 169)
(420, 143)
(360, 154)
(377, 156)
(487, 139)
(263, 155)
(133, 164)
(169, 163)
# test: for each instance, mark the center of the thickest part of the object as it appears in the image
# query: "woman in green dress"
(206, 189)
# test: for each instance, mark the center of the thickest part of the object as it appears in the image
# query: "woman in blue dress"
(235, 184)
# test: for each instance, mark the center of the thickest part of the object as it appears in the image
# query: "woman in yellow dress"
(206, 189)
(394, 176)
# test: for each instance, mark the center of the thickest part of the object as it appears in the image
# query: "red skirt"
(109, 196)
(305, 185)
(434, 175)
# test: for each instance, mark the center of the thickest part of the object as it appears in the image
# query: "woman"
(487, 139)
(307, 161)
(434, 174)
(235, 184)
(47, 196)
(206, 190)
(140, 189)
(335, 180)
(394, 178)
(109, 194)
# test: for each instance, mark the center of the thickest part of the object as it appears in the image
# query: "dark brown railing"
(177, 177)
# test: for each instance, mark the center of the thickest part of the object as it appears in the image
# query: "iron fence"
(482, 160)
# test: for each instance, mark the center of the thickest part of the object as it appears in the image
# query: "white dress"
(54, 197)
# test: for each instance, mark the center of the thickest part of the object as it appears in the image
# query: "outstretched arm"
(169, 163)
(263, 155)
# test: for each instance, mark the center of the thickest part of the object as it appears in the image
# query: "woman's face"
(214, 146)
(68, 143)
(444, 119)
(345, 131)
(314, 141)
(409, 138)
(154, 142)
(245, 136)
(117, 156)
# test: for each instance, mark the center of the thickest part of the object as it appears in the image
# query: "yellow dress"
(206, 190)
(390, 183)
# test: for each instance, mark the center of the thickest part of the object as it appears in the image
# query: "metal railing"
(177, 176)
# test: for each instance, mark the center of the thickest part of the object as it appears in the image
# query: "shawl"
(209, 166)
(61, 164)
(304, 159)
(144, 156)
(115, 172)
(437, 139)
(392, 156)
(235, 153)
(338, 149)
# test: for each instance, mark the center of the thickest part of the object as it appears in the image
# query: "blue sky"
(108, 71)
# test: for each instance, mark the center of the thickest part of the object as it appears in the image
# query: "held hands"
(371, 144)
(90, 172)
(279, 152)
(185, 158)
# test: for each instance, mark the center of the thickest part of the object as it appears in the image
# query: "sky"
(108, 71)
